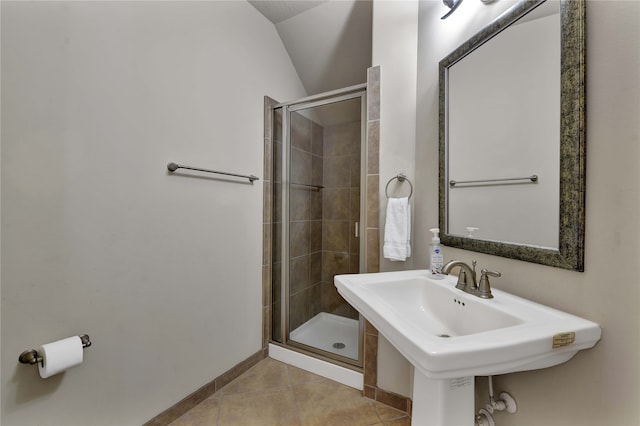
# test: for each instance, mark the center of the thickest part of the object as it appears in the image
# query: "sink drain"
(443, 335)
(339, 345)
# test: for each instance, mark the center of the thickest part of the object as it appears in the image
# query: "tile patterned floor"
(274, 393)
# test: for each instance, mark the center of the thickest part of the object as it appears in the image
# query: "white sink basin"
(447, 333)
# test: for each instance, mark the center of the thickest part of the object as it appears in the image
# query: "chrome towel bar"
(532, 178)
(31, 356)
(172, 167)
(306, 185)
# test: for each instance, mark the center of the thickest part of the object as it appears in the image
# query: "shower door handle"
(357, 229)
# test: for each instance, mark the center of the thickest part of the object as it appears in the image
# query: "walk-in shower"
(318, 149)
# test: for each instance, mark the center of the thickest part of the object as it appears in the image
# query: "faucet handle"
(462, 280)
(484, 287)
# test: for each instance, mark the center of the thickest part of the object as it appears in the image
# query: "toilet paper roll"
(59, 356)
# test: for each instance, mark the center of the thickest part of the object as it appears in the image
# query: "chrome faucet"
(466, 273)
(484, 288)
(470, 285)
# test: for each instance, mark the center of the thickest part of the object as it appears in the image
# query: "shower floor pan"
(331, 333)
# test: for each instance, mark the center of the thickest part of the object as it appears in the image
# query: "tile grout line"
(221, 395)
(373, 405)
(219, 408)
(293, 395)
(224, 391)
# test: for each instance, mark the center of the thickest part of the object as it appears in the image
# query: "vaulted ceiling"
(329, 42)
(280, 10)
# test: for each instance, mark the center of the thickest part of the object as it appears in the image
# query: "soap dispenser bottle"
(436, 256)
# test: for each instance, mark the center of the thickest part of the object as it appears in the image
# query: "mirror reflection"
(512, 136)
(504, 124)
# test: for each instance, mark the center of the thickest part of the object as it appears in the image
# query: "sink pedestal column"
(442, 402)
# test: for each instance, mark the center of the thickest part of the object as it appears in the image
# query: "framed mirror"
(512, 136)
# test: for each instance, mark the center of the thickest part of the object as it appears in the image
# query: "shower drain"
(339, 345)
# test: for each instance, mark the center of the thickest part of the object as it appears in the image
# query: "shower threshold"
(330, 333)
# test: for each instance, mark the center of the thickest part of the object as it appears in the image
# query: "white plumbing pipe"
(484, 418)
(510, 403)
(492, 404)
(505, 403)
(490, 378)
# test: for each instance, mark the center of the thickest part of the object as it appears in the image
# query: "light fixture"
(451, 4)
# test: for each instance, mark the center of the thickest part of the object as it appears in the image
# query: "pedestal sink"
(451, 336)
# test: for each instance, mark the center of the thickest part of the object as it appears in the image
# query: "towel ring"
(401, 178)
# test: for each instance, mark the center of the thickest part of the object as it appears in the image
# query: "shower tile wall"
(341, 211)
(275, 206)
(322, 222)
(306, 225)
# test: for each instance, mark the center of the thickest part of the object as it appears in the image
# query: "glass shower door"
(321, 209)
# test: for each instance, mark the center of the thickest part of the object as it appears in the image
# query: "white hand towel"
(397, 230)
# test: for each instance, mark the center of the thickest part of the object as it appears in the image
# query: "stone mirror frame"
(570, 251)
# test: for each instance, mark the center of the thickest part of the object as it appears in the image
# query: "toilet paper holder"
(32, 356)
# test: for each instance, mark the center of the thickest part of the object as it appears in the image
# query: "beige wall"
(394, 50)
(601, 385)
(163, 272)
(395, 31)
